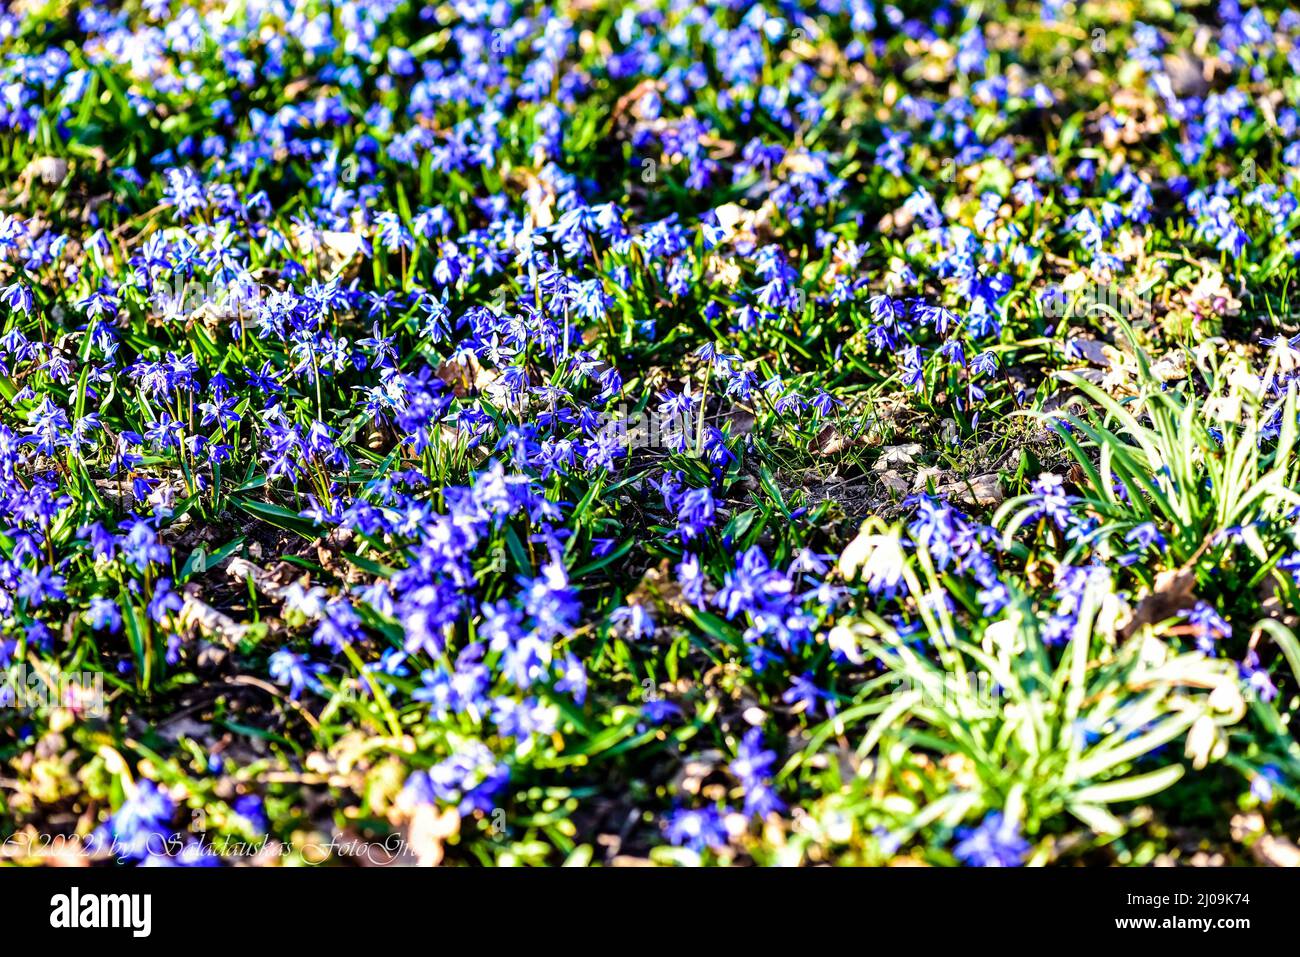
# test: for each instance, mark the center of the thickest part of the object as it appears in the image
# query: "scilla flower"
(995, 843)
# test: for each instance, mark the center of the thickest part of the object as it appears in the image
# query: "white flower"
(842, 639)
(878, 558)
(1205, 743)
(309, 601)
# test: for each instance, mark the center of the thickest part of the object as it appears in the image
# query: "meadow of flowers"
(489, 432)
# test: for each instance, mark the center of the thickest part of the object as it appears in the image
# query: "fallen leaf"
(1172, 593)
(893, 456)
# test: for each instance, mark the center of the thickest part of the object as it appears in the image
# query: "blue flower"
(753, 767)
(995, 843)
(804, 695)
(1146, 535)
(1262, 781)
(103, 615)
(640, 623)
(139, 827)
(573, 678)
(288, 668)
(697, 830)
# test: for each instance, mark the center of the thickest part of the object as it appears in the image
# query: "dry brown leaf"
(1276, 852)
(1172, 593)
(828, 441)
(429, 829)
(339, 249)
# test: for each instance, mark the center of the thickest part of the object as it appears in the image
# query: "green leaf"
(1131, 788)
(283, 518)
(1097, 818)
